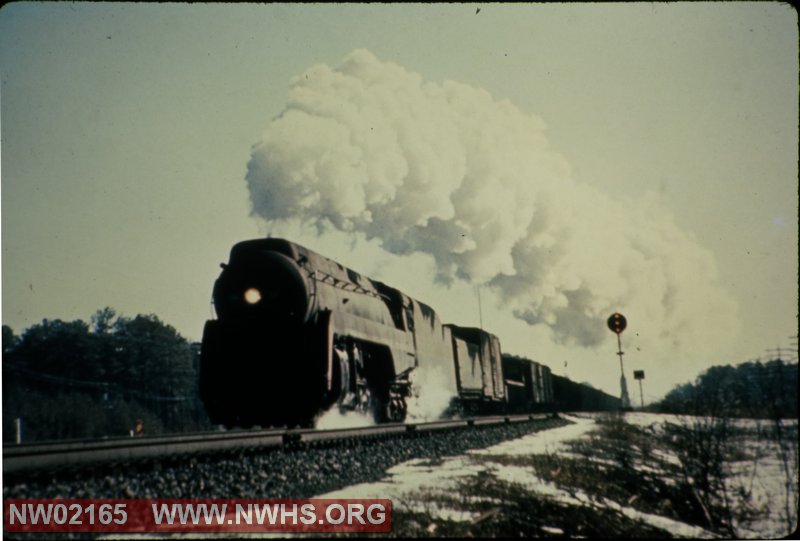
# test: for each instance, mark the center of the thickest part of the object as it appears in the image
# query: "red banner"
(207, 515)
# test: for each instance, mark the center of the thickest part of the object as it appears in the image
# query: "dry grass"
(617, 466)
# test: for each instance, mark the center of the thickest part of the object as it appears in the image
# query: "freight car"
(297, 333)
(572, 396)
(529, 385)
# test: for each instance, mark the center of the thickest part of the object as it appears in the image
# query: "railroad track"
(38, 457)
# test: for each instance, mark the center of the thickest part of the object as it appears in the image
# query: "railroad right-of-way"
(244, 464)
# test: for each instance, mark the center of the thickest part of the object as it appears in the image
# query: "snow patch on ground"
(551, 441)
(409, 483)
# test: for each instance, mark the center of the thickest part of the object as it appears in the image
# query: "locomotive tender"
(297, 333)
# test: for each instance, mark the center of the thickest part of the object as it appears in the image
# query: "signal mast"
(617, 324)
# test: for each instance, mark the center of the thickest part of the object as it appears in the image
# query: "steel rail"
(53, 456)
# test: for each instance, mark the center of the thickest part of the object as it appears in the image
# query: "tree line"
(73, 379)
(752, 389)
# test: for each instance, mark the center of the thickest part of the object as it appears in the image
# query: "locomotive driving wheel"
(363, 400)
(396, 408)
(372, 403)
(396, 411)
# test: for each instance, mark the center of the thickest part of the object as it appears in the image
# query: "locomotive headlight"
(252, 296)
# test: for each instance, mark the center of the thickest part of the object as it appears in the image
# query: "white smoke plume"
(445, 169)
(337, 419)
(431, 394)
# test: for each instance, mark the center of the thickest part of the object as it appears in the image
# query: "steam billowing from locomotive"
(447, 170)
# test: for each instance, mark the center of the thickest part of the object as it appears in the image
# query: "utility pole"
(617, 324)
(778, 352)
(775, 352)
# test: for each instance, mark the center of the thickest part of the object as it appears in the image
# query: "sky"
(530, 168)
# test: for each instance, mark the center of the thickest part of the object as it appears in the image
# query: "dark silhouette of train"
(297, 334)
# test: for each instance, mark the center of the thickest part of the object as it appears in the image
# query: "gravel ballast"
(302, 471)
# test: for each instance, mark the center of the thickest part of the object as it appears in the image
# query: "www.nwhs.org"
(207, 515)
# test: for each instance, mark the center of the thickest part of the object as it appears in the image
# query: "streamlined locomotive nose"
(268, 286)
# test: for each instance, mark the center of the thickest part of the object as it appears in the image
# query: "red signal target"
(617, 322)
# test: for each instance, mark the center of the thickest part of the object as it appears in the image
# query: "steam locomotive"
(297, 333)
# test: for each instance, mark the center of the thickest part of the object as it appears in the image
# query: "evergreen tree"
(77, 380)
